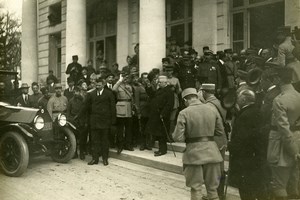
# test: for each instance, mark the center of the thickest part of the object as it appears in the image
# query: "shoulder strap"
(218, 111)
(127, 92)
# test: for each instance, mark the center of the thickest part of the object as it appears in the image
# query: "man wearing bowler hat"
(201, 158)
(23, 100)
(57, 103)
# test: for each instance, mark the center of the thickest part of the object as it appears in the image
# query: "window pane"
(177, 32)
(99, 29)
(238, 26)
(190, 39)
(190, 8)
(177, 9)
(238, 46)
(237, 3)
(255, 1)
(91, 26)
(111, 27)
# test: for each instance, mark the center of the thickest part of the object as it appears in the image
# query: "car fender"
(19, 127)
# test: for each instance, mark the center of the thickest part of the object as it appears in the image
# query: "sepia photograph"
(149, 99)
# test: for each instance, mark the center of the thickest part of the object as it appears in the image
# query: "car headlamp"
(39, 122)
(62, 119)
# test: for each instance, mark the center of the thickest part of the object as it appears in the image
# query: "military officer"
(74, 69)
(208, 91)
(283, 151)
(187, 72)
(57, 103)
(201, 158)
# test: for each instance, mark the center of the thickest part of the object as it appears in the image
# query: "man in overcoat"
(161, 107)
(101, 108)
(246, 147)
(196, 126)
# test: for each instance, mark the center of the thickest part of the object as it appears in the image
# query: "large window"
(254, 22)
(102, 17)
(179, 20)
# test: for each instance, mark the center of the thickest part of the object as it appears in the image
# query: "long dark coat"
(161, 104)
(101, 109)
(246, 147)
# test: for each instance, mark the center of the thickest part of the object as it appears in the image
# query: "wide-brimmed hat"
(24, 85)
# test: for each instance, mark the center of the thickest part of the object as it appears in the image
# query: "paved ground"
(46, 180)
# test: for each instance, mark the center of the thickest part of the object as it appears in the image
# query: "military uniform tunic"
(57, 105)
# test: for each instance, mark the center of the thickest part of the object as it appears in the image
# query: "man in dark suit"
(246, 148)
(161, 107)
(23, 100)
(101, 108)
(69, 92)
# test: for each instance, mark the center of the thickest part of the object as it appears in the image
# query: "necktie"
(110, 86)
(26, 99)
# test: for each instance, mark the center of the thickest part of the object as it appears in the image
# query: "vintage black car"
(28, 132)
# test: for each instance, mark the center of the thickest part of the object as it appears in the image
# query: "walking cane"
(168, 137)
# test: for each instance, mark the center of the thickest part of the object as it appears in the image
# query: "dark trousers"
(100, 142)
(250, 189)
(162, 143)
(145, 137)
(136, 134)
(83, 134)
(112, 136)
(124, 123)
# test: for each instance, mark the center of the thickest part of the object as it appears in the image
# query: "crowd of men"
(192, 99)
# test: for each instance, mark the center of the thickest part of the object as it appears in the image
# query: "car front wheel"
(65, 147)
(14, 154)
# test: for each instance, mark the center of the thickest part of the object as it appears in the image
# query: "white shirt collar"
(101, 91)
(221, 61)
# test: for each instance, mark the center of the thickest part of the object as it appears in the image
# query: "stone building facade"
(54, 30)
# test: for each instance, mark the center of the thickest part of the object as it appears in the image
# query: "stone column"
(29, 49)
(292, 13)
(204, 24)
(76, 36)
(152, 34)
(122, 32)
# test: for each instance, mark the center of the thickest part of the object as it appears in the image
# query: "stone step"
(167, 162)
(179, 147)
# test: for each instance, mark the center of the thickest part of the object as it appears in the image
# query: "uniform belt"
(292, 128)
(127, 100)
(199, 139)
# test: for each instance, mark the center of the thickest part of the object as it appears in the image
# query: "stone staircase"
(167, 162)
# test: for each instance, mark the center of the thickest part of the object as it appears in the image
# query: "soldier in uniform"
(283, 151)
(124, 93)
(43, 101)
(74, 69)
(207, 71)
(208, 91)
(201, 158)
(33, 99)
(57, 103)
(187, 72)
